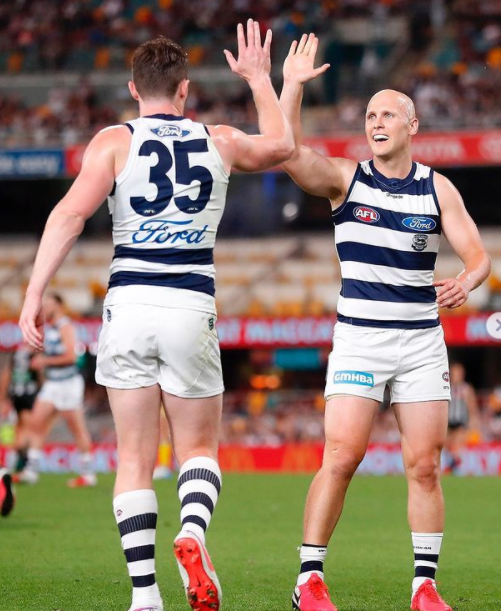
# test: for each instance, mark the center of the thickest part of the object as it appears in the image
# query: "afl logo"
(366, 214)
(419, 223)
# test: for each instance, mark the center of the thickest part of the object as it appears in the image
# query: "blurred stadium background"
(63, 76)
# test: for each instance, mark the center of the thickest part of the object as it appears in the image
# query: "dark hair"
(158, 66)
(57, 298)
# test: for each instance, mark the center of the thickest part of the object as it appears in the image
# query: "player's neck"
(397, 167)
(160, 107)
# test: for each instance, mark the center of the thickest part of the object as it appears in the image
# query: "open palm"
(253, 57)
(298, 65)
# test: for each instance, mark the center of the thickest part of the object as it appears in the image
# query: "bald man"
(388, 214)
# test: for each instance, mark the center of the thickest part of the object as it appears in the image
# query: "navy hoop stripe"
(144, 521)
(192, 256)
(198, 497)
(426, 323)
(204, 474)
(143, 552)
(379, 291)
(195, 520)
(191, 282)
(390, 257)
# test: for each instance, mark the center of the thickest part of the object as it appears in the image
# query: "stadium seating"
(274, 276)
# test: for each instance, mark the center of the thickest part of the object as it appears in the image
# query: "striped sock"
(136, 516)
(198, 487)
(312, 561)
(426, 552)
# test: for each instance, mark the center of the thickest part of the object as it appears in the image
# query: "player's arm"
(68, 357)
(462, 234)
(314, 173)
(64, 225)
(274, 144)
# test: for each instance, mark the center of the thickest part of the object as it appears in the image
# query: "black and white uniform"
(24, 383)
(64, 386)
(387, 234)
(159, 314)
(459, 414)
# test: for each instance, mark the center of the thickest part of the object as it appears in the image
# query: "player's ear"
(183, 89)
(133, 91)
(413, 126)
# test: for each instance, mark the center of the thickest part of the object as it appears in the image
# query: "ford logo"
(419, 223)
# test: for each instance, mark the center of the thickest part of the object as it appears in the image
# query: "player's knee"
(136, 464)
(424, 470)
(342, 462)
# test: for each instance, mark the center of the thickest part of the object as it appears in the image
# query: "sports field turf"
(60, 550)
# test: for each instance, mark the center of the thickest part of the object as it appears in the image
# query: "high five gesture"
(253, 58)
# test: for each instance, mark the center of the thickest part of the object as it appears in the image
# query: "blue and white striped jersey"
(165, 208)
(54, 346)
(387, 235)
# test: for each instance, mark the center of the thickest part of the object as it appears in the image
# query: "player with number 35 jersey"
(166, 209)
(165, 177)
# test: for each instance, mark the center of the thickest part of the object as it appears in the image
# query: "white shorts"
(413, 362)
(141, 345)
(65, 395)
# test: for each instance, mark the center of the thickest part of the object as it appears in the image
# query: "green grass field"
(60, 550)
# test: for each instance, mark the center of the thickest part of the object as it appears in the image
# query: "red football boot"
(427, 598)
(312, 596)
(200, 581)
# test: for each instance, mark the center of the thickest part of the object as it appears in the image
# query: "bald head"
(403, 101)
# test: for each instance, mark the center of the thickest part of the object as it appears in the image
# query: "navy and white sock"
(198, 486)
(312, 561)
(426, 552)
(136, 515)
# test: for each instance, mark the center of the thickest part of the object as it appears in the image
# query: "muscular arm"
(274, 144)
(64, 225)
(314, 173)
(462, 234)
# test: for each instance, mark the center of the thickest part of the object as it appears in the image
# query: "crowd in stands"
(452, 67)
(256, 418)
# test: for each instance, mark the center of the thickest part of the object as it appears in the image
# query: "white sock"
(312, 561)
(86, 464)
(136, 515)
(34, 457)
(198, 486)
(426, 552)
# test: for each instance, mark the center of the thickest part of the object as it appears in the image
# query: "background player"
(167, 177)
(62, 394)
(19, 384)
(463, 414)
(388, 214)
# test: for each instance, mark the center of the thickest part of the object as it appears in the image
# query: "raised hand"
(298, 65)
(253, 58)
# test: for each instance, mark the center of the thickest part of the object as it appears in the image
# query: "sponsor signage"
(435, 149)
(381, 459)
(432, 148)
(465, 330)
(32, 163)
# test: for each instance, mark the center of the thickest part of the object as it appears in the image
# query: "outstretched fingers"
(267, 42)
(302, 43)
(231, 60)
(310, 40)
